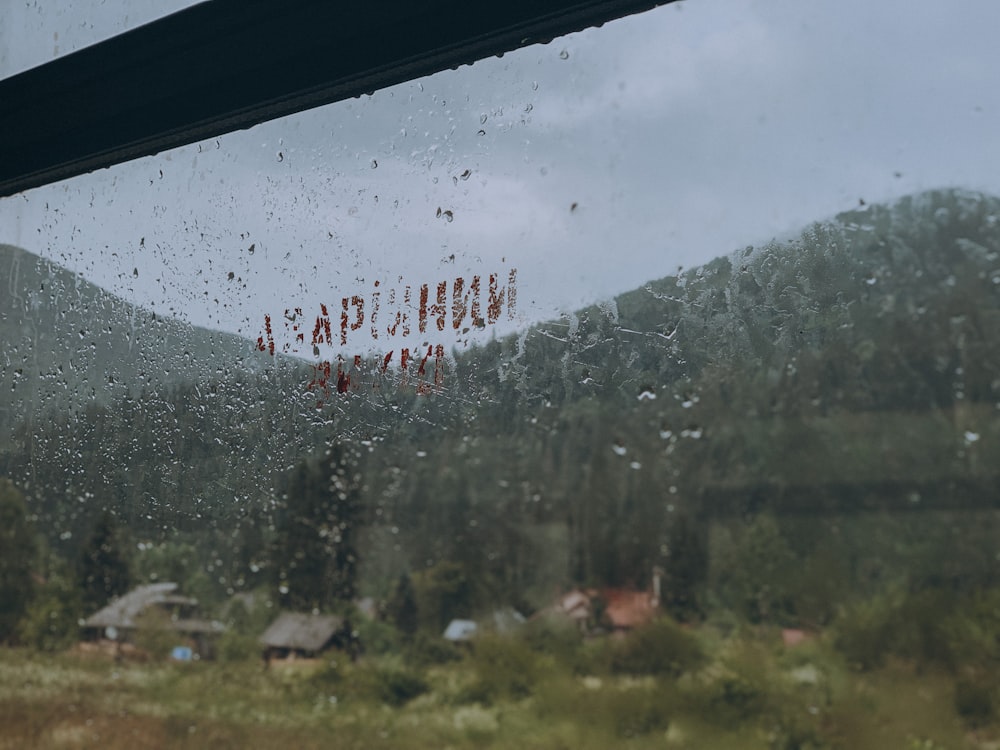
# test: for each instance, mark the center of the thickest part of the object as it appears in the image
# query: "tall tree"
(315, 554)
(103, 570)
(17, 553)
(401, 609)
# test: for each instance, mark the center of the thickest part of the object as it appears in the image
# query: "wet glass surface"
(638, 387)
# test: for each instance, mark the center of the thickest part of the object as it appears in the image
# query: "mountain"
(67, 344)
(851, 369)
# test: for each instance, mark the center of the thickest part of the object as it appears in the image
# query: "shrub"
(232, 646)
(52, 620)
(560, 640)
(378, 638)
(864, 632)
(634, 713)
(607, 706)
(154, 635)
(505, 667)
(659, 648)
(757, 575)
(397, 687)
(733, 699)
(974, 700)
(933, 625)
(426, 649)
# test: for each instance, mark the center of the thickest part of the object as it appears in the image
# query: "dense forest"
(777, 428)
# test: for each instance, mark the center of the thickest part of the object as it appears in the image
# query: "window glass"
(638, 386)
(35, 32)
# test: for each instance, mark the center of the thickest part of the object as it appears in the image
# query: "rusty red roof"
(628, 609)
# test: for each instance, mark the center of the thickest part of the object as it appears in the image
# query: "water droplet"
(971, 437)
(374, 164)
(481, 132)
(564, 55)
(635, 465)
(619, 449)
(483, 118)
(281, 156)
(647, 395)
(466, 174)
(528, 107)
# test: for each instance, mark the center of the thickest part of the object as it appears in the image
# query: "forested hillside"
(851, 368)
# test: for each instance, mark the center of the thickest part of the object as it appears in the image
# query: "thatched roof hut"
(120, 619)
(296, 634)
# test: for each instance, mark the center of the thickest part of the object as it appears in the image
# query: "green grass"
(744, 691)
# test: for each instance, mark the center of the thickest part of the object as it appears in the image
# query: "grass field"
(744, 691)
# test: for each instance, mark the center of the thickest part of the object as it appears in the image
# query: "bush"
(425, 650)
(52, 620)
(974, 700)
(934, 626)
(154, 635)
(864, 632)
(397, 687)
(605, 706)
(757, 574)
(505, 667)
(734, 698)
(659, 648)
(378, 638)
(235, 647)
(634, 713)
(561, 641)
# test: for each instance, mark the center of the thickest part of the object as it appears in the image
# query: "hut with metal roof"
(297, 635)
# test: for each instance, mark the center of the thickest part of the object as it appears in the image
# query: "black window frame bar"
(226, 65)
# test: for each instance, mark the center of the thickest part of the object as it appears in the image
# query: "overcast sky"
(679, 135)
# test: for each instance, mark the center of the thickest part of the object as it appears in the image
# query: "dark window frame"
(227, 65)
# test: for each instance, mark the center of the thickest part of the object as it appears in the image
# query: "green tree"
(401, 609)
(759, 574)
(315, 557)
(687, 568)
(17, 553)
(103, 570)
(51, 622)
(443, 592)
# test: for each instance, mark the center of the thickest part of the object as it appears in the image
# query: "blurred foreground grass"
(665, 688)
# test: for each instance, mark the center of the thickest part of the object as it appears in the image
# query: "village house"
(297, 635)
(614, 609)
(155, 605)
